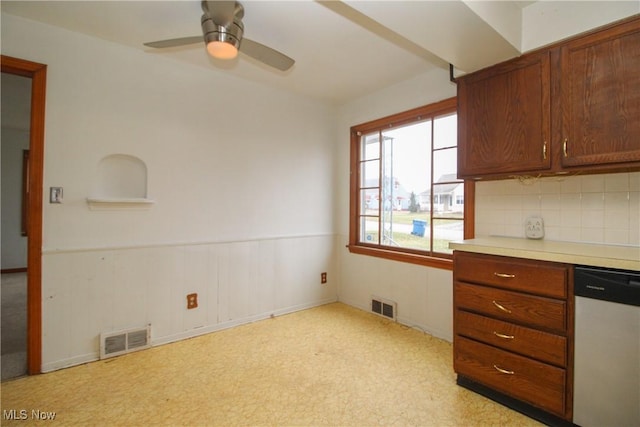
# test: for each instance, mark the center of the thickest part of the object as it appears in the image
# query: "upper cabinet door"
(600, 97)
(503, 118)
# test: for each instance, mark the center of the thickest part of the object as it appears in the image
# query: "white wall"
(239, 172)
(545, 22)
(424, 295)
(14, 244)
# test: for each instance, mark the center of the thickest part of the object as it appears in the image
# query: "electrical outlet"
(534, 227)
(323, 277)
(192, 301)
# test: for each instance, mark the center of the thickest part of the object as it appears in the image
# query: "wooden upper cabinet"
(571, 107)
(600, 97)
(503, 118)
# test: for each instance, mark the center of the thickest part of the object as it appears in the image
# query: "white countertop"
(610, 256)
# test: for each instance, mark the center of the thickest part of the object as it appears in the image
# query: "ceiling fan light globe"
(222, 50)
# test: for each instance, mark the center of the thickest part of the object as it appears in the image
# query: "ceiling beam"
(450, 30)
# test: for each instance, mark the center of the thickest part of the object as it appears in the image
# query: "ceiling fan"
(222, 29)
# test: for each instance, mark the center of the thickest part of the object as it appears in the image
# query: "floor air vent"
(383, 307)
(121, 342)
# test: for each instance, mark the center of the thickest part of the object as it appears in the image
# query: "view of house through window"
(408, 195)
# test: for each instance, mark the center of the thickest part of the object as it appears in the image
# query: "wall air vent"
(122, 342)
(384, 307)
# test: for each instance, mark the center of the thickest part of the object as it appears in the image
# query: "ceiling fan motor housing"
(231, 34)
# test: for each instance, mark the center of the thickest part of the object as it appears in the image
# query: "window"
(406, 200)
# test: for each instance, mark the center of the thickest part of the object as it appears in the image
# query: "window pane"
(369, 230)
(445, 165)
(370, 146)
(406, 230)
(407, 163)
(445, 231)
(369, 202)
(448, 200)
(370, 173)
(406, 173)
(445, 131)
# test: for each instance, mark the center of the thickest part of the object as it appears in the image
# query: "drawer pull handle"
(500, 307)
(505, 275)
(503, 336)
(503, 371)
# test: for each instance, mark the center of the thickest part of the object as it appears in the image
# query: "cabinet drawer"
(534, 382)
(543, 346)
(512, 306)
(536, 277)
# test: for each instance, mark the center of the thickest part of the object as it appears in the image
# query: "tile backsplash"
(603, 208)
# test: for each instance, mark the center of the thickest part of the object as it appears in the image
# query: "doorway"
(16, 120)
(37, 73)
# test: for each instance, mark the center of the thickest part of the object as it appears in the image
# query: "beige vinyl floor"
(332, 365)
(13, 325)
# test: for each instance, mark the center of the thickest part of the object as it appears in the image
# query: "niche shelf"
(118, 203)
(121, 184)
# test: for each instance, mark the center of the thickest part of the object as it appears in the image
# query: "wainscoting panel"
(91, 291)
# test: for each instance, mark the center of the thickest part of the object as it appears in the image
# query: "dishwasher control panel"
(607, 284)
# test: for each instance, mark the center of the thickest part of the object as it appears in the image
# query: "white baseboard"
(232, 323)
(445, 335)
(73, 361)
(92, 357)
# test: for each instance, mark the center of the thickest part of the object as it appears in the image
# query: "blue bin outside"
(419, 226)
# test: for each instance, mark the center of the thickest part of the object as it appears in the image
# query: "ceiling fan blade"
(175, 42)
(266, 55)
(220, 12)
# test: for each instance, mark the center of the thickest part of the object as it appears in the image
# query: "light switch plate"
(534, 227)
(55, 194)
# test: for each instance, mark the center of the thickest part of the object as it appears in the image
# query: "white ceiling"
(343, 50)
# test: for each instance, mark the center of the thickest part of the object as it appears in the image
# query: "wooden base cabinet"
(513, 330)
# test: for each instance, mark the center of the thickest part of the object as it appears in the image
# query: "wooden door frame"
(38, 75)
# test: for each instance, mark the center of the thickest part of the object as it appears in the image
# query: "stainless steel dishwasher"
(607, 348)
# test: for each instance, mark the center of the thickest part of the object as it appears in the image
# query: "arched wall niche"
(121, 179)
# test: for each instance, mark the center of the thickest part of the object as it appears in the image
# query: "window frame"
(444, 261)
